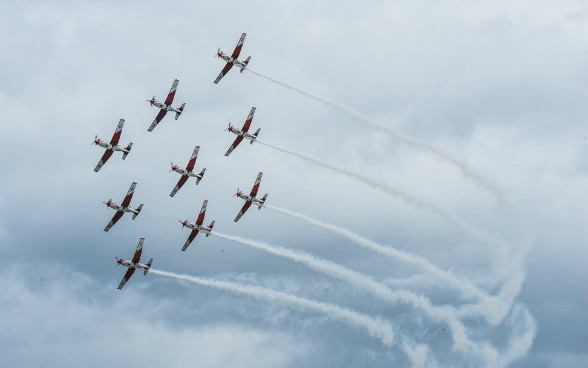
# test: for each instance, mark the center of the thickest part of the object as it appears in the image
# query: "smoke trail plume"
(392, 192)
(466, 172)
(468, 290)
(376, 328)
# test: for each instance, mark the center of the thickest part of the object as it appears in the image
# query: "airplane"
(166, 106)
(232, 60)
(251, 199)
(133, 264)
(243, 133)
(186, 173)
(112, 146)
(197, 226)
(123, 207)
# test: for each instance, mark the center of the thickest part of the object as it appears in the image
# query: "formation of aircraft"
(134, 264)
(112, 146)
(187, 172)
(197, 226)
(166, 106)
(243, 133)
(233, 59)
(123, 207)
(251, 198)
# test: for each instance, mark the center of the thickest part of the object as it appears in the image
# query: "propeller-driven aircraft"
(251, 199)
(123, 207)
(133, 264)
(112, 146)
(187, 172)
(243, 132)
(166, 106)
(232, 60)
(197, 226)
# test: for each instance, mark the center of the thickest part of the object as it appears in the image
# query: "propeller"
(238, 192)
(229, 127)
(172, 167)
(217, 52)
(96, 140)
(151, 100)
(116, 264)
(183, 223)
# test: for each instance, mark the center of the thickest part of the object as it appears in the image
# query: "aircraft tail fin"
(181, 110)
(245, 62)
(255, 135)
(128, 150)
(199, 177)
(262, 201)
(210, 226)
(148, 266)
(138, 211)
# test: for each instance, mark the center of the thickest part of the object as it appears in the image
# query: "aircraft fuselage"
(229, 59)
(163, 106)
(110, 147)
(181, 171)
(119, 208)
(130, 264)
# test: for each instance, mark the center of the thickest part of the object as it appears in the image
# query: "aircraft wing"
(157, 120)
(192, 161)
(234, 145)
(103, 160)
(256, 185)
(190, 239)
(137, 256)
(239, 46)
(115, 218)
(243, 210)
(172, 93)
(248, 121)
(127, 201)
(200, 218)
(181, 183)
(223, 72)
(126, 277)
(117, 132)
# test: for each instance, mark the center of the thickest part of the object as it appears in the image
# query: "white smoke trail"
(466, 171)
(376, 328)
(467, 289)
(439, 314)
(519, 345)
(393, 192)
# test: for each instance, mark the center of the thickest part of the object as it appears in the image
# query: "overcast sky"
(425, 164)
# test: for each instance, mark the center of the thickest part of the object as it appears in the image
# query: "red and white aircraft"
(232, 60)
(112, 146)
(133, 264)
(123, 207)
(186, 173)
(251, 199)
(166, 106)
(243, 133)
(197, 226)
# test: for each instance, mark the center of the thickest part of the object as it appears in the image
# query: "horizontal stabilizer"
(211, 226)
(181, 110)
(255, 135)
(138, 211)
(128, 150)
(148, 266)
(262, 201)
(245, 62)
(199, 177)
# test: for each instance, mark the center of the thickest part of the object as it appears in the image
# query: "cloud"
(67, 314)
